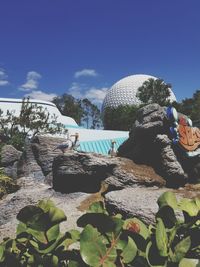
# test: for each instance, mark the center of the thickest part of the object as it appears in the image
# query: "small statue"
(112, 151)
(76, 142)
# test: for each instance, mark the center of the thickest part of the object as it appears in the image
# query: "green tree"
(69, 106)
(154, 91)
(91, 114)
(190, 106)
(33, 119)
(120, 118)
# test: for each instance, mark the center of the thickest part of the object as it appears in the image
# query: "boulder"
(78, 171)
(43, 152)
(150, 143)
(10, 160)
(141, 202)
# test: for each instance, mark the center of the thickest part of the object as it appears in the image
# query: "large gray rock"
(141, 202)
(30, 193)
(76, 171)
(150, 143)
(10, 160)
(137, 202)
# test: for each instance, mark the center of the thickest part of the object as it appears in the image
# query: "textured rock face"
(141, 202)
(80, 172)
(75, 171)
(149, 143)
(10, 158)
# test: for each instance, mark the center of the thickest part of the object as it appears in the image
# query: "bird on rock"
(112, 152)
(64, 146)
(76, 142)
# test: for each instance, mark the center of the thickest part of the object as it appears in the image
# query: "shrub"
(7, 184)
(106, 240)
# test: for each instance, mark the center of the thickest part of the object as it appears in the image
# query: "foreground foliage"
(106, 240)
(7, 184)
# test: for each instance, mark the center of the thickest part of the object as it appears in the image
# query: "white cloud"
(32, 80)
(3, 78)
(76, 90)
(40, 95)
(94, 94)
(85, 72)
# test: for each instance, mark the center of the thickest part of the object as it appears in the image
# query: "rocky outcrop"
(10, 160)
(44, 152)
(30, 193)
(76, 171)
(150, 143)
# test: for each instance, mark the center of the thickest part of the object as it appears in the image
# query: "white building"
(90, 140)
(124, 92)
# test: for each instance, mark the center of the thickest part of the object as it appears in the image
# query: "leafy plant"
(106, 240)
(7, 184)
(33, 119)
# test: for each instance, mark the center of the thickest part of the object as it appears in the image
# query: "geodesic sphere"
(125, 90)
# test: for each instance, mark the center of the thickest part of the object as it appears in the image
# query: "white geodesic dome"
(124, 91)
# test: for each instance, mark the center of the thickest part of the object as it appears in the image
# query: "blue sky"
(82, 47)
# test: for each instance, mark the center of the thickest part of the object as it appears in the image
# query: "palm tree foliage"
(154, 91)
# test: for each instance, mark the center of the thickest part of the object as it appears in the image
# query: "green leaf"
(102, 222)
(97, 207)
(53, 245)
(166, 213)
(129, 251)
(21, 228)
(189, 206)
(55, 214)
(152, 256)
(93, 249)
(2, 249)
(189, 263)
(181, 249)
(197, 201)
(167, 199)
(161, 238)
(53, 232)
(73, 264)
(33, 217)
(75, 235)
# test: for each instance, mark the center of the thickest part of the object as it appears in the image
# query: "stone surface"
(76, 171)
(43, 149)
(150, 143)
(141, 202)
(30, 193)
(10, 158)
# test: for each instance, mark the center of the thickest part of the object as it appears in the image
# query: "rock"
(137, 202)
(76, 171)
(30, 193)
(141, 202)
(10, 158)
(150, 143)
(43, 148)
(9, 155)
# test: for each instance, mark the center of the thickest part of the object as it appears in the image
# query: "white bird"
(112, 151)
(64, 146)
(76, 143)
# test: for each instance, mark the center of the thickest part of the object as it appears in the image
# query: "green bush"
(106, 240)
(7, 184)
